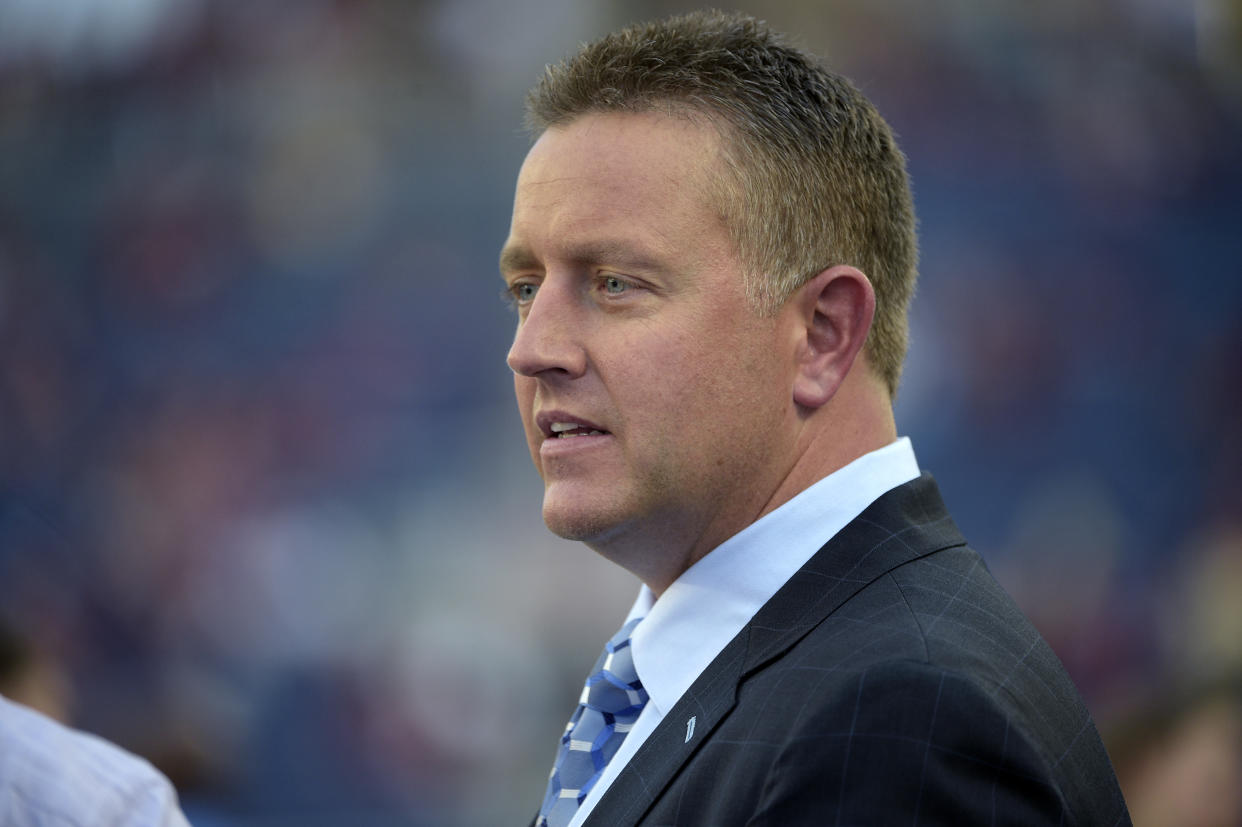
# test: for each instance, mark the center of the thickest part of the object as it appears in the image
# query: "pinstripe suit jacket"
(890, 681)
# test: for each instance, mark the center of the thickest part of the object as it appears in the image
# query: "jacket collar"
(906, 523)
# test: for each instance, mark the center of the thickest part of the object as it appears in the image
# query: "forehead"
(661, 144)
(646, 173)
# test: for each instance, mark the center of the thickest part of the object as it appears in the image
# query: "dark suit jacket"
(890, 681)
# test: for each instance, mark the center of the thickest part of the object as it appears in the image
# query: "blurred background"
(266, 512)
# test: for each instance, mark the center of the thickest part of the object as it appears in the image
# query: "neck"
(856, 421)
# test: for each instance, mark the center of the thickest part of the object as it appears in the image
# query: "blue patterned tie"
(609, 706)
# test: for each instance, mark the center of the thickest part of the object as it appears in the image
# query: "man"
(711, 255)
(53, 775)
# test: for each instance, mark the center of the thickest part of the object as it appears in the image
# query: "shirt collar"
(713, 600)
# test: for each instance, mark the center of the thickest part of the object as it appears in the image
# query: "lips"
(565, 430)
(562, 425)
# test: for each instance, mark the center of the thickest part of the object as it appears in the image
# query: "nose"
(548, 341)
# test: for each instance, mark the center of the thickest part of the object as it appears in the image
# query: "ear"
(834, 310)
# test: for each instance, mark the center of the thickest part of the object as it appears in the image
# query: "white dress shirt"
(705, 608)
(53, 775)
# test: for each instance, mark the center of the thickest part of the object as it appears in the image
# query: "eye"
(615, 286)
(520, 293)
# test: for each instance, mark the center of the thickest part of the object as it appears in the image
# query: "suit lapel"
(906, 523)
(684, 728)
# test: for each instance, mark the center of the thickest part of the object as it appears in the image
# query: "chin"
(580, 520)
(578, 524)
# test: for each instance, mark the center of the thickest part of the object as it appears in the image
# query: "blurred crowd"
(266, 515)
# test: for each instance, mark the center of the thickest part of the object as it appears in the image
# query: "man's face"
(656, 402)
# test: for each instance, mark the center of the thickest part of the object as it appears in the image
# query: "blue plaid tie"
(609, 706)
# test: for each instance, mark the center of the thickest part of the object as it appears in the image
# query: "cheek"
(740, 386)
(688, 386)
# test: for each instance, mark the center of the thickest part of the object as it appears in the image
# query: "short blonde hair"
(817, 177)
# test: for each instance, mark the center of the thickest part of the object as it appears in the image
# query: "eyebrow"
(514, 258)
(622, 253)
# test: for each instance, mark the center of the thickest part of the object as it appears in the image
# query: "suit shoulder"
(983, 648)
(971, 626)
(919, 738)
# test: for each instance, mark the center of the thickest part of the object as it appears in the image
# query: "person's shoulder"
(941, 741)
(53, 775)
(988, 683)
(969, 624)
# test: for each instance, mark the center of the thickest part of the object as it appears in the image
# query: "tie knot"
(611, 702)
(623, 635)
(614, 687)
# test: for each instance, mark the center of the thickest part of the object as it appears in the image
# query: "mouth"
(560, 425)
(568, 430)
